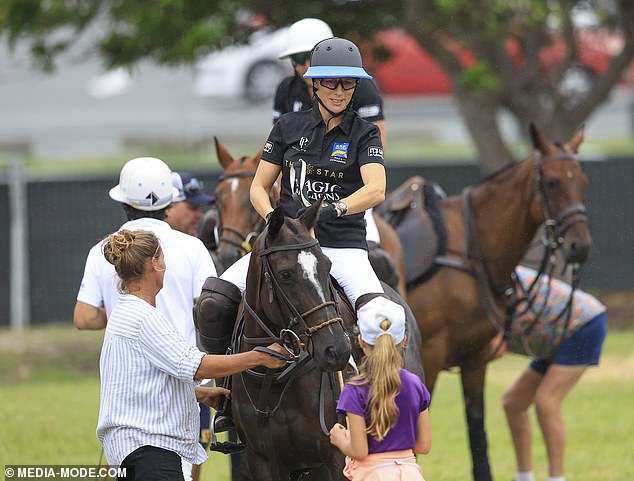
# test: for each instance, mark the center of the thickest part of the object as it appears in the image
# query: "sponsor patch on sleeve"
(375, 152)
(369, 111)
(268, 147)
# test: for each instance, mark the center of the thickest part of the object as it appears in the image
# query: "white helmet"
(304, 34)
(145, 183)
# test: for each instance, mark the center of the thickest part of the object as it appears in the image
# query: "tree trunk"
(479, 111)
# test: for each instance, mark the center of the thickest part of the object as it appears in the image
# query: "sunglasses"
(332, 83)
(300, 58)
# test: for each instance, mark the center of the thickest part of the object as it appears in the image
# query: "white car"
(251, 71)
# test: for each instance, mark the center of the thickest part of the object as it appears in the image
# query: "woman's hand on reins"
(273, 362)
(211, 396)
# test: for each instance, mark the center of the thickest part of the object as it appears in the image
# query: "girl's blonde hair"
(380, 369)
(128, 252)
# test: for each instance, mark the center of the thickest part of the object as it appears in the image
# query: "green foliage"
(480, 77)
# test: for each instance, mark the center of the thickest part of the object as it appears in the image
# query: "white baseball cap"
(304, 34)
(145, 183)
(374, 312)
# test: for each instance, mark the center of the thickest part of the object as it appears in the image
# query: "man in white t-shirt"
(145, 190)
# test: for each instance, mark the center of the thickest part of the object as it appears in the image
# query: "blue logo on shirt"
(339, 151)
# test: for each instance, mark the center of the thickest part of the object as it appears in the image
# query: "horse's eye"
(286, 275)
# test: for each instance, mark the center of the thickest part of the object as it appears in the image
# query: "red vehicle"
(412, 70)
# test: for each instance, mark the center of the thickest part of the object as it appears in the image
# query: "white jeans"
(186, 466)
(350, 267)
(371, 230)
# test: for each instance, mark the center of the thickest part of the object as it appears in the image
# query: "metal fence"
(67, 216)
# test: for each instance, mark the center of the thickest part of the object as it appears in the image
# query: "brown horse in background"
(239, 222)
(489, 229)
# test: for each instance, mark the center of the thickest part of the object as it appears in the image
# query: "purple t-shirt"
(411, 401)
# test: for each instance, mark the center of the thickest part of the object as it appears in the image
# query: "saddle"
(413, 210)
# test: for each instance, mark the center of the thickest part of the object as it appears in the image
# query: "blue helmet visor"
(336, 71)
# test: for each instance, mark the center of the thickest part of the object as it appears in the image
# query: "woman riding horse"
(328, 153)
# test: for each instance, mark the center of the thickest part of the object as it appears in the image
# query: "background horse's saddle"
(414, 213)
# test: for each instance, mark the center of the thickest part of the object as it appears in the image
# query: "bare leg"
(557, 383)
(195, 472)
(517, 400)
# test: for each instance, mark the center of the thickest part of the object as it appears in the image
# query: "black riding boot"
(215, 316)
(365, 298)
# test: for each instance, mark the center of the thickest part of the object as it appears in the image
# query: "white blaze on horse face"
(569, 174)
(234, 185)
(308, 263)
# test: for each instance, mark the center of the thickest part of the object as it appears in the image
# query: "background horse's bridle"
(244, 242)
(556, 226)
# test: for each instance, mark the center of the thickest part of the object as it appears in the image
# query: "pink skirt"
(388, 466)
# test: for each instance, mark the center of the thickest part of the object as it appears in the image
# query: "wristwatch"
(343, 208)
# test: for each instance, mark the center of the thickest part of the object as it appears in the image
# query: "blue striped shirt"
(147, 385)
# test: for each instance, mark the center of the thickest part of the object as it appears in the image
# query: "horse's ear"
(276, 222)
(538, 139)
(224, 157)
(309, 217)
(577, 139)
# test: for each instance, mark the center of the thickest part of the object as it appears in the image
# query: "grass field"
(49, 398)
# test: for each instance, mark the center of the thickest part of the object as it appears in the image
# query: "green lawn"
(49, 396)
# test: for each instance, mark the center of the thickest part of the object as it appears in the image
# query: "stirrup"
(224, 447)
(222, 423)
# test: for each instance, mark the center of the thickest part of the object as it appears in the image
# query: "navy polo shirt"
(316, 163)
(292, 96)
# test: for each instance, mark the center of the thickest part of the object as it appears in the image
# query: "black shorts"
(149, 463)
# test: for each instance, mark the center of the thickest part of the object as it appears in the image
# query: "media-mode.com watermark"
(54, 472)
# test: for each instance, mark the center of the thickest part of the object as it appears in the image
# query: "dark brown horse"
(239, 223)
(489, 229)
(283, 417)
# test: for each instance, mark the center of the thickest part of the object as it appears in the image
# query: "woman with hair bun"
(386, 405)
(148, 416)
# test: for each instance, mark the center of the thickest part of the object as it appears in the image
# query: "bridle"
(295, 333)
(556, 226)
(244, 242)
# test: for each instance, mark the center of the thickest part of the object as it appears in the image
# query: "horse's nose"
(330, 355)
(578, 251)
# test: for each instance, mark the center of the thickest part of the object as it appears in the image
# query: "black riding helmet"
(335, 58)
